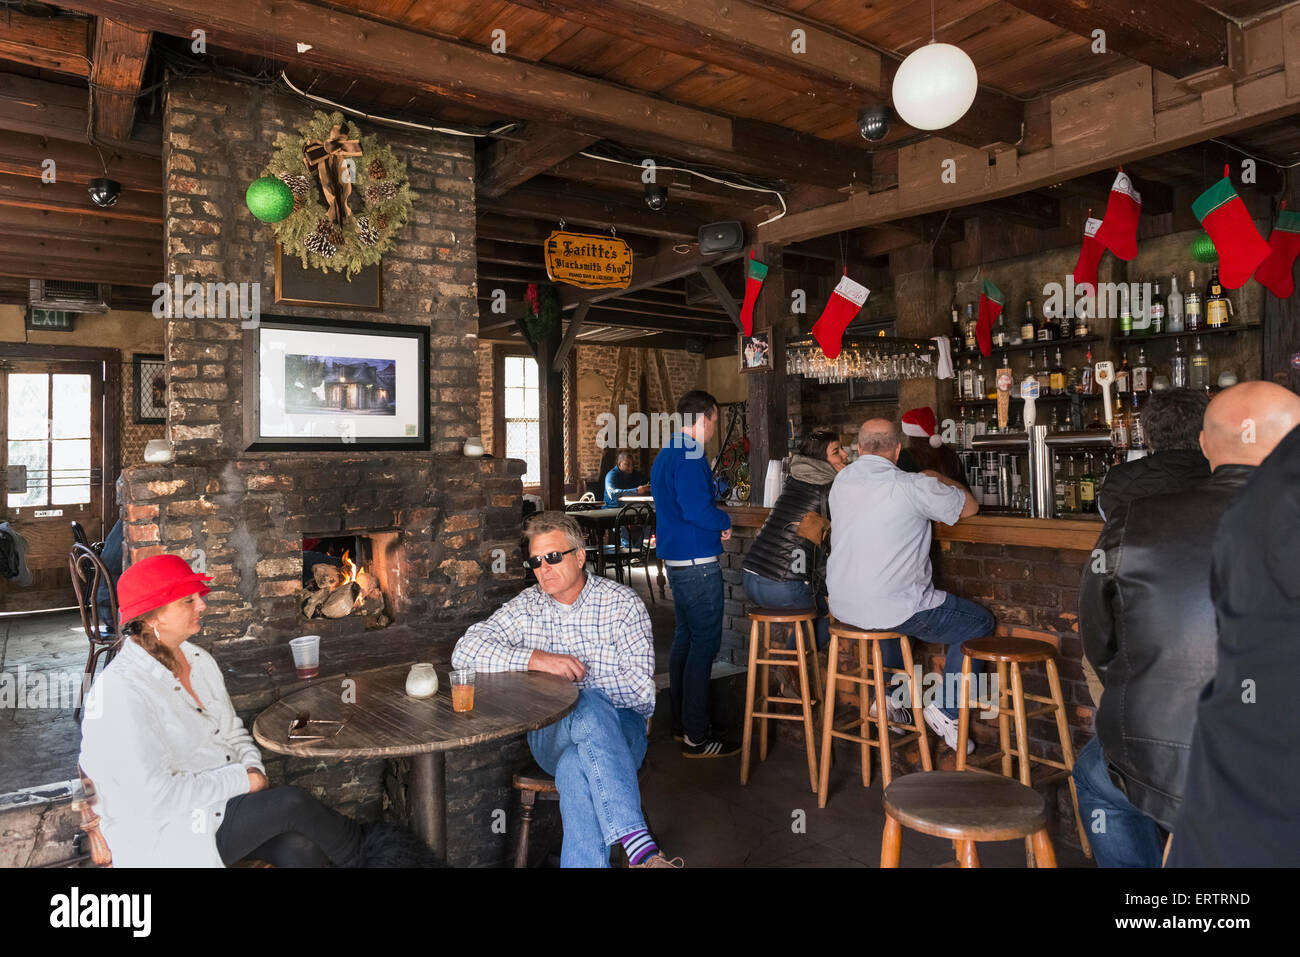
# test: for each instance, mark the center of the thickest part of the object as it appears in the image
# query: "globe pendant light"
(934, 86)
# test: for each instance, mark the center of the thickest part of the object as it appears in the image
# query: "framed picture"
(335, 385)
(299, 285)
(150, 377)
(755, 352)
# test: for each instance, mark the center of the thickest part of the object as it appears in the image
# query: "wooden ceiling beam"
(121, 53)
(649, 272)
(56, 110)
(344, 43)
(592, 210)
(86, 226)
(523, 153)
(24, 154)
(521, 230)
(73, 199)
(61, 44)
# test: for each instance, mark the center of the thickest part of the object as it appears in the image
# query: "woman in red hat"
(925, 451)
(179, 780)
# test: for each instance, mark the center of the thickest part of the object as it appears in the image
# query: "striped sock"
(639, 845)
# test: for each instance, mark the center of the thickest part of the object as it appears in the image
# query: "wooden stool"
(759, 660)
(965, 808)
(532, 785)
(1010, 648)
(870, 673)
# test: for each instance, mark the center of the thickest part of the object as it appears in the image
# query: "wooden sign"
(589, 262)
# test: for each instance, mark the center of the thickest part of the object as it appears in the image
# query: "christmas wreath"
(543, 311)
(328, 156)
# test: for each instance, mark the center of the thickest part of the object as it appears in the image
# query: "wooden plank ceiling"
(713, 85)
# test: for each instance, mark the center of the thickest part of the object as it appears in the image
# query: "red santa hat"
(919, 423)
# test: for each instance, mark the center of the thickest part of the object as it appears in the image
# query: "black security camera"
(873, 123)
(656, 197)
(104, 192)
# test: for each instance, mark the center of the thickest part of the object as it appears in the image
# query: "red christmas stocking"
(755, 273)
(991, 300)
(845, 303)
(1241, 247)
(1277, 271)
(1085, 270)
(1119, 227)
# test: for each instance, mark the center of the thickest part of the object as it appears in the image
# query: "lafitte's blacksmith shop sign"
(591, 262)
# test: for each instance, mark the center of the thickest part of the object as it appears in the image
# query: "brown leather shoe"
(658, 860)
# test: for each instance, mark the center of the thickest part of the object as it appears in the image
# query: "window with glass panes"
(48, 432)
(523, 425)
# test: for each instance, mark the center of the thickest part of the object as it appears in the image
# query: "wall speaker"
(721, 238)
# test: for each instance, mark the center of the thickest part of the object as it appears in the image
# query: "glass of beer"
(462, 689)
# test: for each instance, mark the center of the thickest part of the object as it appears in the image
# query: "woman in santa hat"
(925, 448)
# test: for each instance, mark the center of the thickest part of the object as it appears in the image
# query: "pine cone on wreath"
(324, 240)
(381, 221)
(377, 170)
(297, 185)
(378, 192)
(366, 231)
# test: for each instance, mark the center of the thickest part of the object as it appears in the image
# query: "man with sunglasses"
(595, 632)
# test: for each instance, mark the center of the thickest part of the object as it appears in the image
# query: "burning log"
(327, 576)
(341, 601)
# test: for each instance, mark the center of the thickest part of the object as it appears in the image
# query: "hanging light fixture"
(935, 85)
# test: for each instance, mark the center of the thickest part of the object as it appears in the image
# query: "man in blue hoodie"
(691, 529)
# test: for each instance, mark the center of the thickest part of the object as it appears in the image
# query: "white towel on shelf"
(944, 369)
(772, 483)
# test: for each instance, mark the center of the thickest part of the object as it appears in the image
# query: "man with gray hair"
(879, 577)
(594, 632)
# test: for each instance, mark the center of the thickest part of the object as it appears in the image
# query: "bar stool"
(964, 808)
(870, 673)
(759, 659)
(1009, 648)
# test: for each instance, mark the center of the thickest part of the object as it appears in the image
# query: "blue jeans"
(951, 623)
(594, 752)
(768, 593)
(697, 604)
(1120, 834)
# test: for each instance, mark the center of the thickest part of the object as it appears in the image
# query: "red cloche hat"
(919, 423)
(156, 581)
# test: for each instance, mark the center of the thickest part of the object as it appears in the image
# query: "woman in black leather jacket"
(781, 569)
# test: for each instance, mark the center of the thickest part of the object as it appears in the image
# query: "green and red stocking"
(991, 301)
(1277, 272)
(845, 303)
(755, 273)
(1224, 216)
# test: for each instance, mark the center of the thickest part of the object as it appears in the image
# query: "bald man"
(1148, 627)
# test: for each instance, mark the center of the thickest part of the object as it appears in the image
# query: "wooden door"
(58, 460)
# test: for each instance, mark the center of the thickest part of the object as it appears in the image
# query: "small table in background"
(387, 723)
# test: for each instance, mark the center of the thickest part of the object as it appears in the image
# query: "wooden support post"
(550, 404)
(767, 395)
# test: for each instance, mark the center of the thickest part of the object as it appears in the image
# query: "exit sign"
(50, 320)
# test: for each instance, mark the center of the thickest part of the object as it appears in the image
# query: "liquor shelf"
(1025, 347)
(1122, 341)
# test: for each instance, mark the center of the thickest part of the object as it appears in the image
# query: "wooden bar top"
(1073, 534)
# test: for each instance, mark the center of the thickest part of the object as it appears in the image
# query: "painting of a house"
(345, 385)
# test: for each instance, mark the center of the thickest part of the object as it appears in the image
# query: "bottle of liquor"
(1136, 434)
(1058, 487)
(1031, 372)
(1156, 310)
(1192, 304)
(1199, 377)
(957, 337)
(1055, 425)
(1028, 328)
(1125, 313)
(1047, 328)
(1217, 306)
(968, 381)
(1140, 307)
(1123, 382)
(1141, 372)
(1178, 366)
(1119, 429)
(1081, 320)
(981, 384)
(1057, 378)
(1065, 323)
(1086, 383)
(1000, 331)
(1174, 309)
(969, 332)
(1087, 487)
(1044, 376)
(1071, 487)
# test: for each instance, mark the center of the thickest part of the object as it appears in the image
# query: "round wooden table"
(382, 721)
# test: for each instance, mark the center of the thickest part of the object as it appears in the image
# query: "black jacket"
(1242, 779)
(807, 489)
(1148, 628)
(1154, 474)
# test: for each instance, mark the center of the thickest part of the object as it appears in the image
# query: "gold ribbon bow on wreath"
(328, 157)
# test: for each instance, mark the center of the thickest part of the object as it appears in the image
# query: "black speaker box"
(721, 238)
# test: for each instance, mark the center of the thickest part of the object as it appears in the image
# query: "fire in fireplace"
(342, 576)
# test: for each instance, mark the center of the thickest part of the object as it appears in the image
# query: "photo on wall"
(345, 386)
(755, 352)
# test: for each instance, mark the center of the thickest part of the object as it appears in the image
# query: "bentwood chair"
(88, 574)
(633, 542)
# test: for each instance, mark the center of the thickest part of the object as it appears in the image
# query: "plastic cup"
(306, 655)
(462, 689)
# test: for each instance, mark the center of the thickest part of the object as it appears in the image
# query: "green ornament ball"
(1203, 250)
(269, 199)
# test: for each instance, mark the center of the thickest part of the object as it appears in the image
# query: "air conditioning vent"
(68, 296)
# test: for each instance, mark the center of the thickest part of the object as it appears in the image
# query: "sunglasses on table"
(552, 558)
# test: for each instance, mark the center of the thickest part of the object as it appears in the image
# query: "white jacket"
(163, 768)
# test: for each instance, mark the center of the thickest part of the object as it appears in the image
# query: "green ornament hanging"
(269, 199)
(1203, 250)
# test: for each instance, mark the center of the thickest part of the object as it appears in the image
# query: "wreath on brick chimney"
(350, 194)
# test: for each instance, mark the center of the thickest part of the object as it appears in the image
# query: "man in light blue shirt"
(879, 576)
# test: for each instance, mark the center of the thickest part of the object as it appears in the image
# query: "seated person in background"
(780, 569)
(163, 745)
(623, 480)
(1242, 775)
(925, 448)
(595, 632)
(878, 576)
(111, 556)
(1148, 627)
(1174, 461)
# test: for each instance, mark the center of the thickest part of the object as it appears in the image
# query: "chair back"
(88, 573)
(79, 534)
(638, 516)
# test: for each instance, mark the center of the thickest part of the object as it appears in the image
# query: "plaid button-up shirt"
(609, 632)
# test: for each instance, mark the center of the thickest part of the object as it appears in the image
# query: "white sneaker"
(945, 727)
(901, 715)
